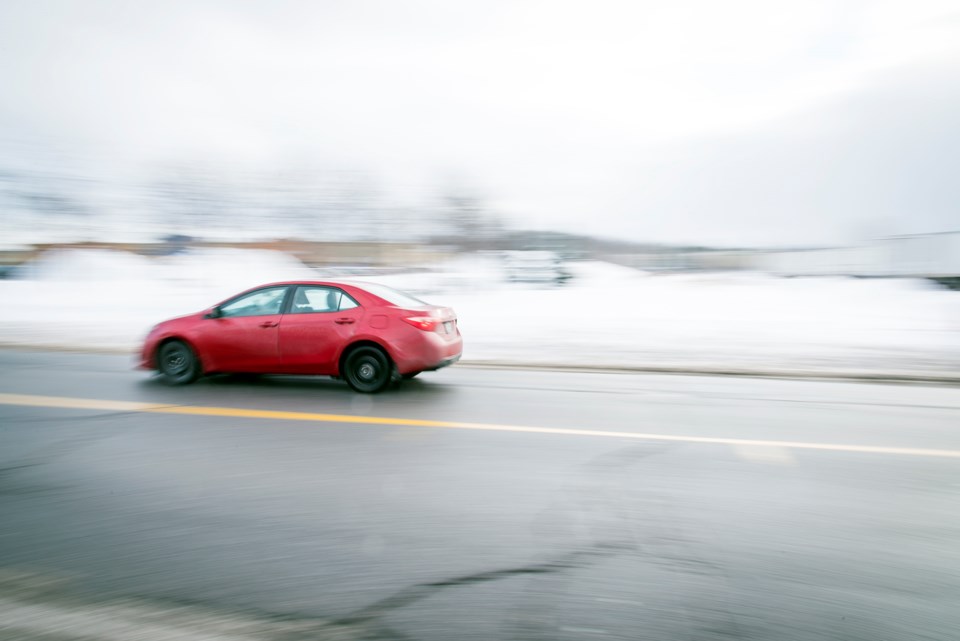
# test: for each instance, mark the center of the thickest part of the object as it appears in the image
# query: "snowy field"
(605, 316)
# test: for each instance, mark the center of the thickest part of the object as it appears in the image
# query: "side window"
(310, 300)
(347, 303)
(262, 302)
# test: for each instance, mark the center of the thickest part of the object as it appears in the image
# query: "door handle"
(344, 321)
(266, 324)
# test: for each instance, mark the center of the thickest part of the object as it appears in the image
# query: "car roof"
(326, 281)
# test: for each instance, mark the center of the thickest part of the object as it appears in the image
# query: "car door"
(244, 336)
(320, 321)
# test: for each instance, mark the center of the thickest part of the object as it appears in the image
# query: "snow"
(606, 315)
(87, 265)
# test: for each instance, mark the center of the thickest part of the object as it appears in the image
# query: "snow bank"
(102, 298)
(606, 315)
(720, 321)
(87, 265)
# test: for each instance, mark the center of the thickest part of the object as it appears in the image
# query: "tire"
(367, 370)
(177, 363)
(410, 375)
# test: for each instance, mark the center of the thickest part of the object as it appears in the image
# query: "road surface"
(474, 504)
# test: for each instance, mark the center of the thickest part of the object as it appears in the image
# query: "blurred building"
(934, 256)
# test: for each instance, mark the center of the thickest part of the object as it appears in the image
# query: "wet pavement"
(400, 530)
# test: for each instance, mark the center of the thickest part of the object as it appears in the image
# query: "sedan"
(368, 334)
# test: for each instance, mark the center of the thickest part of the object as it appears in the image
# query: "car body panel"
(293, 342)
(244, 344)
(312, 343)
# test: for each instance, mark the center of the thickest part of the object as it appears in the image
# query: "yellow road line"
(236, 412)
(74, 403)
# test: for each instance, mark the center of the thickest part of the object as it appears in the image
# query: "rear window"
(393, 296)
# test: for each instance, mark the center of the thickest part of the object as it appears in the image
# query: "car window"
(310, 300)
(347, 303)
(393, 296)
(259, 303)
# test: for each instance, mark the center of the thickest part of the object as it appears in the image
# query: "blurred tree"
(472, 225)
(44, 193)
(190, 200)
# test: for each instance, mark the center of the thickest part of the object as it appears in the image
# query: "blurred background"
(605, 191)
(521, 156)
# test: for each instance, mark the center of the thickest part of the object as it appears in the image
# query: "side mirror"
(213, 313)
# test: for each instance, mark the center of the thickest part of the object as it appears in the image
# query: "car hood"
(180, 319)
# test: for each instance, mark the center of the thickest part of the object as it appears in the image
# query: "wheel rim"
(368, 371)
(175, 361)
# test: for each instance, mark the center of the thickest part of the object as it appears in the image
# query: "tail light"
(426, 323)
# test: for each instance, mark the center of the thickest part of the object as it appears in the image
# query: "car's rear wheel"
(367, 369)
(177, 363)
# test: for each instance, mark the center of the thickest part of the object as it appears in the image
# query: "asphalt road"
(478, 504)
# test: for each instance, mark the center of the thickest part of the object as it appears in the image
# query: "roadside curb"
(800, 374)
(55, 347)
(674, 370)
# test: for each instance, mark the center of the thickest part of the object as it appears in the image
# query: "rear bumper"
(426, 352)
(444, 363)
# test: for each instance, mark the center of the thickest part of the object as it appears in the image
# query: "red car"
(368, 334)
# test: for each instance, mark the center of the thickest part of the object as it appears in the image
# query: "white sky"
(738, 123)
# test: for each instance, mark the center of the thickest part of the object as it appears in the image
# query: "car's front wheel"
(177, 363)
(367, 369)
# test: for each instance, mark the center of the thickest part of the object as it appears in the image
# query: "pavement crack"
(417, 592)
(86, 418)
(9, 486)
(39, 607)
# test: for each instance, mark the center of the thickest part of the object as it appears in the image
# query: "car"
(368, 334)
(528, 266)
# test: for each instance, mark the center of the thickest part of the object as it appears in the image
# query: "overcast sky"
(734, 123)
